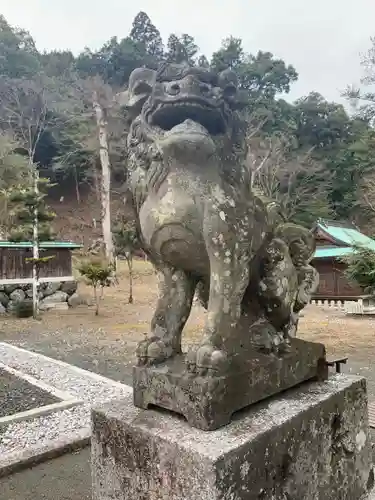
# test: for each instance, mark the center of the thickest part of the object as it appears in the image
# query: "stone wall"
(51, 295)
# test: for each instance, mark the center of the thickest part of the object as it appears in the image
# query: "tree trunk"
(96, 182)
(35, 252)
(129, 260)
(106, 177)
(96, 301)
(78, 194)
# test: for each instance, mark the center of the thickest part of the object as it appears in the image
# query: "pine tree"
(32, 219)
(147, 36)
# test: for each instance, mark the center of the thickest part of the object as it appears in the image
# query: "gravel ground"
(17, 395)
(89, 388)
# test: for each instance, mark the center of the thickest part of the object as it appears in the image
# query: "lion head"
(181, 112)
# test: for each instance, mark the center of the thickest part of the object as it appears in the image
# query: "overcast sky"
(323, 39)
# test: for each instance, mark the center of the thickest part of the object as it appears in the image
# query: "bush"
(361, 268)
(97, 273)
(24, 308)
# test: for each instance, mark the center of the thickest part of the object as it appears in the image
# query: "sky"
(323, 39)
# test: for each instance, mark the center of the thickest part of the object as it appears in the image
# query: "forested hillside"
(311, 156)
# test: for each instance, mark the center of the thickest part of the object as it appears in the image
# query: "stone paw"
(207, 360)
(284, 347)
(153, 350)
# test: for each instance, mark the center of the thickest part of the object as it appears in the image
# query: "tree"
(147, 36)
(57, 63)
(360, 175)
(361, 268)
(114, 61)
(363, 101)
(32, 221)
(288, 177)
(26, 111)
(126, 243)
(97, 273)
(265, 76)
(102, 124)
(230, 55)
(320, 123)
(14, 171)
(261, 75)
(181, 49)
(19, 56)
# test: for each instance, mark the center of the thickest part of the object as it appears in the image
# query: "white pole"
(35, 251)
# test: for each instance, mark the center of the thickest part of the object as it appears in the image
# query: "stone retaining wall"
(51, 295)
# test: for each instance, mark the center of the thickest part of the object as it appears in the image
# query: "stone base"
(311, 443)
(208, 402)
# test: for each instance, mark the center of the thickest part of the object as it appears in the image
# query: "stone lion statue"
(203, 228)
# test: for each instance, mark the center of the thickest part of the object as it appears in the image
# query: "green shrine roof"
(344, 236)
(42, 244)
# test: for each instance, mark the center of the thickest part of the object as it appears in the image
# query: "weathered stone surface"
(11, 306)
(4, 299)
(54, 301)
(10, 288)
(79, 299)
(204, 228)
(17, 295)
(60, 306)
(2, 309)
(208, 402)
(58, 296)
(25, 286)
(51, 288)
(311, 443)
(69, 287)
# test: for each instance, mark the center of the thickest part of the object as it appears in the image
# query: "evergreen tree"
(230, 55)
(147, 36)
(181, 49)
(32, 220)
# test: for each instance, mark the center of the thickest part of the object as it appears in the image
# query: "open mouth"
(168, 115)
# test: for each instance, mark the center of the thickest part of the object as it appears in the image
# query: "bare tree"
(90, 109)
(24, 105)
(366, 202)
(283, 175)
(102, 126)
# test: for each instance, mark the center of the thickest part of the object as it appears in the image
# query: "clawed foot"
(153, 350)
(207, 360)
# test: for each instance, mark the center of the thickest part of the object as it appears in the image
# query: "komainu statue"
(207, 233)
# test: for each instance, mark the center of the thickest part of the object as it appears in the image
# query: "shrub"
(361, 268)
(97, 273)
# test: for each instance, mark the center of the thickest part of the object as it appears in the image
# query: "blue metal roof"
(348, 236)
(327, 252)
(345, 237)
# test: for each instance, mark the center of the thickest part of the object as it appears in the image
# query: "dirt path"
(106, 344)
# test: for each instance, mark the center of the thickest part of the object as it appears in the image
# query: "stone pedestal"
(310, 443)
(208, 402)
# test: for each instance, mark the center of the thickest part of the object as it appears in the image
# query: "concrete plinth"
(311, 443)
